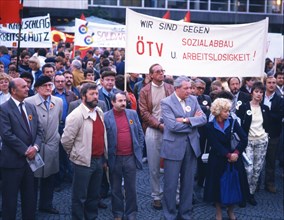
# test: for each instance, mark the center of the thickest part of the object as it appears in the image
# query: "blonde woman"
(34, 64)
(4, 87)
(218, 133)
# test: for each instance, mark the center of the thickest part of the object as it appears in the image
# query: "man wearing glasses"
(66, 96)
(149, 104)
(205, 102)
(49, 109)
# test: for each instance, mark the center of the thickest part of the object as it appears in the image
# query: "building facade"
(202, 11)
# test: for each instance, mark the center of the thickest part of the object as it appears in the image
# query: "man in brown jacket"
(78, 74)
(150, 109)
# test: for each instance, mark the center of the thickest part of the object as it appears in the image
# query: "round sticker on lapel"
(249, 112)
(204, 102)
(239, 103)
(187, 108)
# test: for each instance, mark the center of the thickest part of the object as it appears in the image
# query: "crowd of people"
(93, 131)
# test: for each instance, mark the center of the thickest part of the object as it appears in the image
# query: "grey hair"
(197, 80)
(178, 81)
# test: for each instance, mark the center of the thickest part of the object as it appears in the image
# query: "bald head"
(18, 89)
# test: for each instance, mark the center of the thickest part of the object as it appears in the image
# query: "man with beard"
(240, 97)
(84, 139)
(69, 83)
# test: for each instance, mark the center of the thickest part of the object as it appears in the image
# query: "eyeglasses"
(159, 71)
(59, 81)
(200, 88)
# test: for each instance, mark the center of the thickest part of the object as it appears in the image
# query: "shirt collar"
(217, 126)
(56, 91)
(106, 92)
(16, 101)
(91, 114)
(179, 99)
(87, 109)
(237, 95)
(280, 88)
(269, 97)
(155, 85)
(42, 99)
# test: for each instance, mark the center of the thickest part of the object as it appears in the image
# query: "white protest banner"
(35, 33)
(99, 35)
(194, 49)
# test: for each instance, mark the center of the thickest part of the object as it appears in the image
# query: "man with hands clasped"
(21, 139)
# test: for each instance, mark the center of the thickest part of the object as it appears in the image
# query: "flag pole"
(21, 12)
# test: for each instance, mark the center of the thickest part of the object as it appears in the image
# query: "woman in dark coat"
(218, 134)
(254, 120)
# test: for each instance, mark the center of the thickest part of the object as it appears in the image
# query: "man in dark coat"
(21, 139)
(276, 105)
(240, 97)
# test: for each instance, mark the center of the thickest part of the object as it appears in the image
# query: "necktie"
(25, 118)
(46, 105)
(234, 104)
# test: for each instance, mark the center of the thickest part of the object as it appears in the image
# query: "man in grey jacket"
(49, 109)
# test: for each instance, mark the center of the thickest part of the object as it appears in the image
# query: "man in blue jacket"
(125, 143)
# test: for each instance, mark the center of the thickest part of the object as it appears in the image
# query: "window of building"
(137, 3)
(199, 4)
(182, 4)
(105, 2)
(219, 5)
(155, 3)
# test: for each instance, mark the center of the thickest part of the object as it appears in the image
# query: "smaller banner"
(35, 33)
(99, 35)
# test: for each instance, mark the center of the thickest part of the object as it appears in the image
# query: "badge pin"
(239, 103)
(187, 108)
(249, 112)
(204, 102)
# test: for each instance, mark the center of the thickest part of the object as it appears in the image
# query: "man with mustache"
(69, 83)
(84, 140)
(125, 144)
(240, 97)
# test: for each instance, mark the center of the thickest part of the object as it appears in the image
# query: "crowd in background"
(57, 76)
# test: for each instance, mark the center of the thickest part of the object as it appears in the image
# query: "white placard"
(195, 49)
(99, 35)
(35, 33)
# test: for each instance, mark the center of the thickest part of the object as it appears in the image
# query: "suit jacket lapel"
(17, 113)
(112, 119)
(177, 104)
(131, 126)
(39, 102)
(30, 118)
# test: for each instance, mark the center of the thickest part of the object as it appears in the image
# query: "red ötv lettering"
(148, 47)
